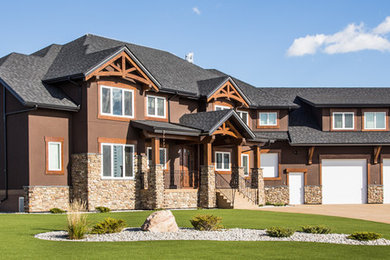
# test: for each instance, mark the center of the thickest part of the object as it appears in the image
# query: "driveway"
(372, 212)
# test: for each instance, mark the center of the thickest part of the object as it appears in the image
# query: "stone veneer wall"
(89, 186)
(375, 194)
(313, 194)
(179, 199)
(207, 193)
(277, 194)
(43, 198)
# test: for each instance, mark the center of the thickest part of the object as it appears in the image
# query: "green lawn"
(17, 241)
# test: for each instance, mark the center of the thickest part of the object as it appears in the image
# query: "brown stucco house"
(129, 127)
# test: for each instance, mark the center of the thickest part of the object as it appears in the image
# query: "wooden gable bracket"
(377, 151)
(228, 129)
(310, 155)
(123, 66)
(229, 92)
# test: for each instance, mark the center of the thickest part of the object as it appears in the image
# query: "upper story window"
(222, 161)
(116, 102)
(220, 107)
(118, 161)
(268, 118)
(244, 116)
(375, 120)
(163, 157)
(156, 106)
(343, 120)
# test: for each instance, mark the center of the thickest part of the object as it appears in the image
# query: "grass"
(17, 241)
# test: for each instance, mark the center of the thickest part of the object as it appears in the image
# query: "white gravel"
(235, 234)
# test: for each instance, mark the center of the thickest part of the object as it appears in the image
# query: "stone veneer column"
(239, 178)
(313, 194)
(258, 183)
(143, 170)
(375, 194)
(207, 195)
(156, 187)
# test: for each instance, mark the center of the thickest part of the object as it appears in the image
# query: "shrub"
(102, 209)
(268, 203)
(261, 205)
(364, 236)
(77, 221)
(109, 225)
(206, 222)
(316, 229)
(279, 232)
(279, 204)
(56, 211)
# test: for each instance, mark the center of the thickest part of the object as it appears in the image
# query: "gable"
(227, 129)
(124, 67)
(230, 91)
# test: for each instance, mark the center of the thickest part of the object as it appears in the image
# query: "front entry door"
(186, 163)
(296, 187)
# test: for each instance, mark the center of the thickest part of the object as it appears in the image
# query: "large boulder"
(160, 221)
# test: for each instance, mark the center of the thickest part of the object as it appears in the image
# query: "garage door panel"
(344, 181)
(386, 181)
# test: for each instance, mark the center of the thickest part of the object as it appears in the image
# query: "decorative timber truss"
(123, 66)
(227, 129)
(229, 92)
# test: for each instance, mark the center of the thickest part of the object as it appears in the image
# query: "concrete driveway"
(372, 212)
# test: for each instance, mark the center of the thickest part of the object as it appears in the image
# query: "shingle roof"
(23, 74)
(158, 127)
(273, 135)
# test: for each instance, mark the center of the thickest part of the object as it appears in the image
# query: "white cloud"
(353, 38)
(196, 10)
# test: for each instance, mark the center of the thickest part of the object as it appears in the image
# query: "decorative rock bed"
(235, 234)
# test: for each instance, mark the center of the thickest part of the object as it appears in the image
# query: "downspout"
(5, 157)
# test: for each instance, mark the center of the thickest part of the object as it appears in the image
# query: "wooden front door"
(186, 167)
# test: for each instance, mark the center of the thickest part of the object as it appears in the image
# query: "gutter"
(5, 155)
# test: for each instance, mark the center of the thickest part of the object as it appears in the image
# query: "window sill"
(115, 118)
(272, 178)
(55, 172)
(267, 126)
(156, 118)
(118, 179)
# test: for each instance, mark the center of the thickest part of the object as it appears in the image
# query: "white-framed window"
(244, 116)
(374, 120)
(222, 161)
(268, 118)
(269, 162)
(163, 157)
(220, 107)
(245, 163)
(116, 102)
(54, 156)
(156, 106)
(117, 161)
(343, 120)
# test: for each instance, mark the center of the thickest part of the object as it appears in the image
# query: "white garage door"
(344, 181)
(386, 180)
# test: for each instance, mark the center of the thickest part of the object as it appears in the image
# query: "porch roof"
(159, 127)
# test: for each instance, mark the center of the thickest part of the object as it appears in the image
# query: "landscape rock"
(160, 221)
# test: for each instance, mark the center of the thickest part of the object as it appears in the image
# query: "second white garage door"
(386, 180)
(344, 181)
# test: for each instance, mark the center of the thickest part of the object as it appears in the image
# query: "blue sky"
(266, 43)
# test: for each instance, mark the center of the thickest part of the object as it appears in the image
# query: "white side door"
(296, 187)
(386, 180)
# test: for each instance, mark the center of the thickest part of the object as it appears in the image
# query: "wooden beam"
(377, 151)
(238, 155)
(207, 153)
(155, 151)
(310, 155)
(257, 156)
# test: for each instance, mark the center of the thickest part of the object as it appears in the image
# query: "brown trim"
(123, 72)
(375, 110)
(162, 119)
(54, 139)
(268, 126)
(249, 162)
(279, 152)
(355, 119)
(310, 155)
(377, 152)
(116, 85)
(302, 170)
(347, 157)
(228, 91)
